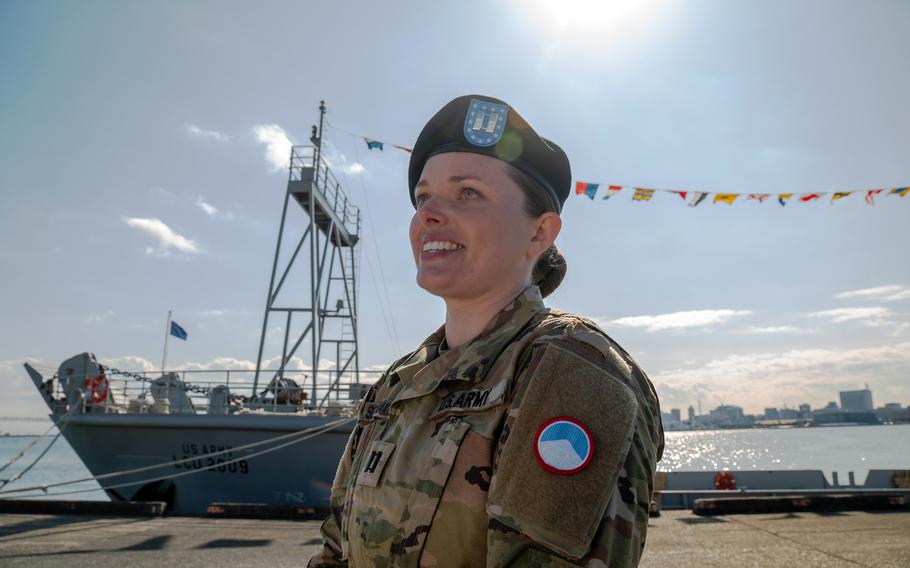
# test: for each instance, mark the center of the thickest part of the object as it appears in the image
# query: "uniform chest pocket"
(431, 474)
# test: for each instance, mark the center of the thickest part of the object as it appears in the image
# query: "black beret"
(488, 126)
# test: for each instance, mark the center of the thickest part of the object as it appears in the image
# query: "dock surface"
(676, 539)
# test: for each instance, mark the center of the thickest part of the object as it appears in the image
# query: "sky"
(144, 147)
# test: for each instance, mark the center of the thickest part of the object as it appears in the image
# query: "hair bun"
(549, 271)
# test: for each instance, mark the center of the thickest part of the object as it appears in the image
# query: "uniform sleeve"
(331, 554)
(542, 517)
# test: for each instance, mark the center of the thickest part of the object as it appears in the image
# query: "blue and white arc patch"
(563, 446)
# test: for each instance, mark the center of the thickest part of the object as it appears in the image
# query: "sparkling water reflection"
(842, 449)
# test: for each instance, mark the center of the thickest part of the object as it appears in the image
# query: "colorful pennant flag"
(870, 195)
(760, 197)
(679, 193)
(901, 191)
(612, 190)
(728, 198)
(783, 197)
(839, 195)
(642, 194)
(373, 144)
(805, 198)
(697, 197)
(585, 188)
(408, 150)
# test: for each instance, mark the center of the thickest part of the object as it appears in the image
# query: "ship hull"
(300, 474)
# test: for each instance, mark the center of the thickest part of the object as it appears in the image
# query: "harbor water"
(834, 449)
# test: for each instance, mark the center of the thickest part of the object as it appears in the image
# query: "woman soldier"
(515, 434)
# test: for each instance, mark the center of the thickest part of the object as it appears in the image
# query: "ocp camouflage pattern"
(412, 485)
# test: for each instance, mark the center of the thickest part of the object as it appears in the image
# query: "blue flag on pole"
(371, 144)
(178, 331)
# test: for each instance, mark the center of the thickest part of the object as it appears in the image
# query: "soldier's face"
(470, 235)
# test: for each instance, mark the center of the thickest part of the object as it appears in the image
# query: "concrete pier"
(675, 539)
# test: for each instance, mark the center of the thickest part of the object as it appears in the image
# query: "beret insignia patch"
(485, 122)
(563, 446)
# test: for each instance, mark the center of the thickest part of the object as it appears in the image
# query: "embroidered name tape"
(471, 400)
(376, 411)
(563, 446)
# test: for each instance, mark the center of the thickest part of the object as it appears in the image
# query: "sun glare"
(592, 16)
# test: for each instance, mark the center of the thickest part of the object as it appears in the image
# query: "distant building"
(691, 415)
(772, 414)
(726, 416)
(805, 408)
(675, 414)
(893, 413)
(844, 417)
(856, 401)
(830, 408)
(788, 413)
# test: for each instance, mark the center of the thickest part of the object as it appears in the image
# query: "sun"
(592, 16)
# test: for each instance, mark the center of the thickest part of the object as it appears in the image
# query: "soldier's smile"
(470, 233)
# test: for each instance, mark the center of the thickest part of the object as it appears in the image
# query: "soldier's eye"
(420, 199)
(469, 193)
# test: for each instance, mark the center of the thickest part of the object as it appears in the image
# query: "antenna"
(330, 237)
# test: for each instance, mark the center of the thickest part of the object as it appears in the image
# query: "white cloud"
(338, 161)
(208, 208)
(889, 293)
(277, 145)
(771, 329)
(99, 318)
(222, 312)
(130, 363)
(680, 320)
(197, 132)
(211, 210)
(755, 381)
(221, 363)
(166, 237)
(873, 315)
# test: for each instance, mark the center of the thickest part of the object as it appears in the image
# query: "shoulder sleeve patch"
(563, 509)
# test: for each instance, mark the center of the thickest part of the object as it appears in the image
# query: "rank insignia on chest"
(374, 462)
(563, 446)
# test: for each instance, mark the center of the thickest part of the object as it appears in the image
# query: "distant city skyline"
(855, 406)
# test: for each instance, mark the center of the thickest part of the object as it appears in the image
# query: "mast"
(330, 239)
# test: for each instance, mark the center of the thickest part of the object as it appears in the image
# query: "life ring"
(724, 481)
(99, 387)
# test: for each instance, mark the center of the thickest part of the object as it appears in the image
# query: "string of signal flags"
(696, 198)
(691, 198)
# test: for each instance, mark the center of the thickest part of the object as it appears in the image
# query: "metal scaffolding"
(331, 236)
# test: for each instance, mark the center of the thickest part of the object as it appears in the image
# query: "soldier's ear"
(546, 229)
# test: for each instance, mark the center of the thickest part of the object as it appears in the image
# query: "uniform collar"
(471, 360)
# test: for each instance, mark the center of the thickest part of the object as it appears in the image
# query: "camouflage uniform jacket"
(441, 468)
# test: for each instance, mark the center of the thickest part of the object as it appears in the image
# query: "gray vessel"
(272, 436)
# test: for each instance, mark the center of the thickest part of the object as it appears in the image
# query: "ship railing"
(304, 166)
(145, 391)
